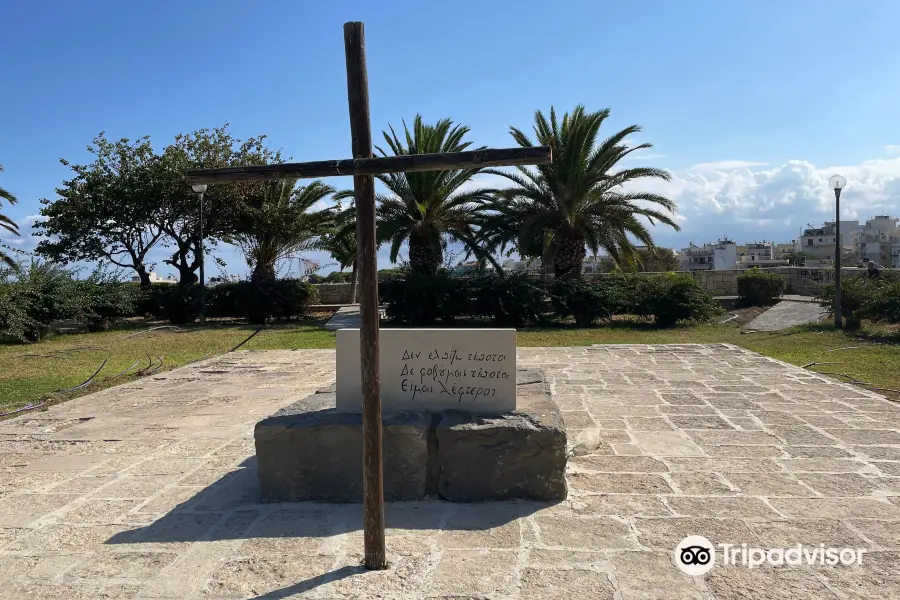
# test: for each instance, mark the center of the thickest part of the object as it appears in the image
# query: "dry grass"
(31, 372)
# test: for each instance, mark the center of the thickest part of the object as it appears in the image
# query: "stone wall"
(333, 293)
(800, 280)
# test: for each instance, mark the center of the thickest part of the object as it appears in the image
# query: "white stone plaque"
(433, 370)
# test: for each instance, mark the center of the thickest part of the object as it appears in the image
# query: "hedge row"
(38, 294)
(280, 299)
(516, 300)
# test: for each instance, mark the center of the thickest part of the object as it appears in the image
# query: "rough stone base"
(519, 455)
(309, 451)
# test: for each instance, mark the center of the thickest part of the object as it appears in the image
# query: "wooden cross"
(363, 166)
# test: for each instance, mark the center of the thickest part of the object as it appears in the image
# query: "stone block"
(517, 455)
(433, 370)
(310, 451)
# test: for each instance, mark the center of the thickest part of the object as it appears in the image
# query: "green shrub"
(510, 300)
(104, 301)
(36, 294)
(281, 299)
(622, 291)
(862, 298)
(883, 304)
(292, 298)
(855, 292)
(178, 304)
(422, 299)
(759, 288)
(15, 322)
(586, 301)
(672, 298)
(101, 298)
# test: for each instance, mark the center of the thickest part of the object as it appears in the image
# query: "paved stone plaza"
(149, 490)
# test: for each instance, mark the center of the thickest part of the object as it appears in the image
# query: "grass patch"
(67, 360)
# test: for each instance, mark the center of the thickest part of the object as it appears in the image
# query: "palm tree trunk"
(570, 255)
(263, 272)
(422, 258)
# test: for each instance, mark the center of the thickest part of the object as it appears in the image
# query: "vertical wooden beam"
(364, 186)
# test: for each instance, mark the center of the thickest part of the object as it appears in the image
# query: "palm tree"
(7, 223)
(555, 211)
(430, 208)
(340, 240)
(277, 223)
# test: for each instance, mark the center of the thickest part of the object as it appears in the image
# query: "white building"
(154, 278)
(783, 251)
(818, 243)
(879, 241)
(761, 254)
(522, 266)
(720, 256)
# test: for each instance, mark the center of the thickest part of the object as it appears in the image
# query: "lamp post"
(837, 183)
(199, 190)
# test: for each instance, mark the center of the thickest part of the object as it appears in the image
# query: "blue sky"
(750, 104)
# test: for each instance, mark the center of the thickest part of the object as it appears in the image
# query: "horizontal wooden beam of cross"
(474, 159)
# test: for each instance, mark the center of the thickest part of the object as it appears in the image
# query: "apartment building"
(760, 254)
(879, 241)
(818, 243)
(720, 256)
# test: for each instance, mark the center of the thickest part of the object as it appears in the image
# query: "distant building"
(761, 254)
(214, 281)
(720, 256)
(154, 278)
(877, 241)
(784, 251)
(818, 243)
(522, 266)
(470, 268)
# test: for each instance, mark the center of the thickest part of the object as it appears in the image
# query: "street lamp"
(199, 189)
(837, 183)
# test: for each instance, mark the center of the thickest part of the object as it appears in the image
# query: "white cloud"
(892, 149)
(748, 203)
(725, 165)
(31, 219)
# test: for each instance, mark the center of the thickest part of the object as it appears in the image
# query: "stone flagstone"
(150, 490)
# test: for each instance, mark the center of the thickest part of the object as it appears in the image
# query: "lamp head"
(201, 187)
(837, 182)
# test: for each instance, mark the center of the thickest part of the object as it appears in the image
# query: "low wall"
(800, 280)
(333, 293)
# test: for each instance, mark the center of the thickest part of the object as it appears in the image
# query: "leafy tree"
(656, 260)
(555, 211)
(275, 223)
(430, 208)
(106, 210)
(178, 216)
(7, 223)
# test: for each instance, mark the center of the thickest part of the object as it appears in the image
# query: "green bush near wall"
(759, 288)
(516, 300)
